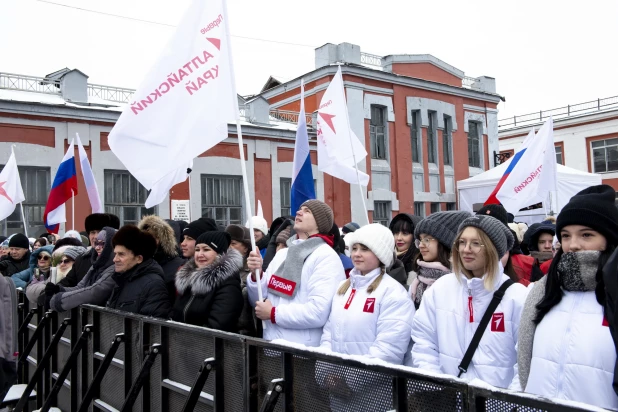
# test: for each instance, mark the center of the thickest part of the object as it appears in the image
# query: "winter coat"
(10, 266)
(35, 291)
(170, 265)
(210, 296)
(8, 335)
(408, 257)
(22, 278)
(611, 304)
(301, 318)
(247, 322)
(95, 287)
(141, 290)
(573, 355)
(445, 324)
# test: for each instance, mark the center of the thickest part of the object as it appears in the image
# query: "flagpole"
(72, 210)
(249, 207)
(360, 187)
(23, 218)
(191, 215)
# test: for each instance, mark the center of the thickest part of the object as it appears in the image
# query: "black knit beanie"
(594, 207)
(19, 240)
(216, 240)
(497, 211)
(199, 226)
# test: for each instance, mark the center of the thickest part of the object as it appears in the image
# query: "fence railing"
(114, 361)
(559, 113)
(110, 93)
(29, 83)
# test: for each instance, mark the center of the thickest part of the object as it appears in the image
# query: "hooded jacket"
(447, 319)
(301, 318)
(210, 296)
(35, 291)
(22, 278)
(405, 276)
(8, 335)
(611, 305)
(167, 250)
(10, 266)
(96, 286)
(141, 290)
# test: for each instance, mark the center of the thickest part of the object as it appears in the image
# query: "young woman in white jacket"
(371, 315)
(565, 345)
(452, 308)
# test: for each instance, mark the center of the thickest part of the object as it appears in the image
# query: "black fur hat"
(137, 241)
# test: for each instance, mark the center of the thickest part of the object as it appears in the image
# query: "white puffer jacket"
(573, 356)
(446, 321)
(300, 319)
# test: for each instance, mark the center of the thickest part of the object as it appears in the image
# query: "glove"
(51, 289)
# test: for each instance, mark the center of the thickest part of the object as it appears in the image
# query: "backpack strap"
(476, 339)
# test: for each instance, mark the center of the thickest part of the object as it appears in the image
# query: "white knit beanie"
(259, 223)
(379, 239)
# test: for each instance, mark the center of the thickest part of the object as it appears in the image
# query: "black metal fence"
(96, 359)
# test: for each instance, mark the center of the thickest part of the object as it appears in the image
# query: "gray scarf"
(285, 282)
(577, 272)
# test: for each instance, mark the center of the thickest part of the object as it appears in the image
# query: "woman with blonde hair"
(453, 309)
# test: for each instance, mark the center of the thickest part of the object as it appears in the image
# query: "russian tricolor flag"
(302, 175)
(63, 188)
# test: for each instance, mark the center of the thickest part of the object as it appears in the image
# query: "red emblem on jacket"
(369, 305)
(605, 322)
(281, 285)
(497, 322)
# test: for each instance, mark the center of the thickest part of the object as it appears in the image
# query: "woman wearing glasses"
(434, 237)
(452, 308)
(40, 260)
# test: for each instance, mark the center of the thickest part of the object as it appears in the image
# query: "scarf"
(428, 273)
(577, 272)
(286, 279)
(407, 257)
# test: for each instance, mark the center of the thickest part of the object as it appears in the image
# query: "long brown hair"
(492, 260)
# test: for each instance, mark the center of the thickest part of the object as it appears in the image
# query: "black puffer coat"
(211, 296)
(141, 290)
(408, 257)
(10, 266)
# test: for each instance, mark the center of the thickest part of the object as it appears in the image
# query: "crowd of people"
(476, 296)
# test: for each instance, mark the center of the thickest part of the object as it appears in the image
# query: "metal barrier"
(97, 359)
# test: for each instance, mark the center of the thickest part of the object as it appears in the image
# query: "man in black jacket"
(94, 224)
(140, 287)
(19, 255)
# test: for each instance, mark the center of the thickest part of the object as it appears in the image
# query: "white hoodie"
(447, 319)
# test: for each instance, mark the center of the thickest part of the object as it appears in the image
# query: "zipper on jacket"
(187, 308)
(470, 307)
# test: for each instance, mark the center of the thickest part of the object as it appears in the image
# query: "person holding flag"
(63, 189)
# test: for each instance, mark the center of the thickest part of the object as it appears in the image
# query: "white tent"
(477, 189)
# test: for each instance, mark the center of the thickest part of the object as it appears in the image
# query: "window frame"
(478, 126)
(435, 207)
(559, 145)
(382, 206)
(118, 208)
(420, 207)
(211, 209)
(416, 137)
(432, 131)
(378, 133)
(447, 141)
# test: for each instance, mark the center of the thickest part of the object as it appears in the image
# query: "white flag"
(183, 105)
(162, 188)
(11, 192)
(533, 175)
(91, 184)
(260, 212)
(338, 146)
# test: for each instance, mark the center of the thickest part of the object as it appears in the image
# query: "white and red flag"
(184, 104)
(339, 150)
(11, 192)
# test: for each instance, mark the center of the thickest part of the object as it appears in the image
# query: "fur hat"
(377, 238)
(97, 221)
(199, 226)
(259, 223)
(442, 226)
(497, 211)
(217, 241)
(139, 242)
(67, 241)
(322, 214)
(240, 234)
(162, 232)
(498, 232)
(19, 240)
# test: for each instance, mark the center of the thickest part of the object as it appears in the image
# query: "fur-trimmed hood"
(203, 281)
(162, 232)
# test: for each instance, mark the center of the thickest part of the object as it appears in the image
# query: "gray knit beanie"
(442, 226)
(498, 232)
(322, 213)
(72, 252)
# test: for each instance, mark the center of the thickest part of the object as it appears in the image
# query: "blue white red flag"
(63, 188)
(302, 175)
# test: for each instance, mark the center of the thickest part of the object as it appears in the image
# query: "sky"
(543, 54)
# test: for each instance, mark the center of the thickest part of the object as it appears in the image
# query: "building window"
(451, 206)
(285, 187)
(559, 158)
(447, 141)
(419, 209)
(474, 144)
(125, 197)
(377, 132)
(605, 155)
(415, 132)
(36, 183)
(382, 213)
(222, 199)
(431, 139)
(435, 207)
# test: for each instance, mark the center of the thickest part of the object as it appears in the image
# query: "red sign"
(369, 305)
(497, 322)
(281, 285)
